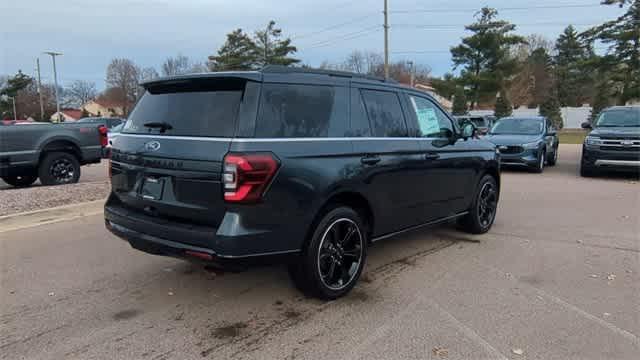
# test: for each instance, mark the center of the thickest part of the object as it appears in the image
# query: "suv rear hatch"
(167, 162)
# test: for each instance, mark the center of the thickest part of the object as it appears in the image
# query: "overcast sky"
(92, 32)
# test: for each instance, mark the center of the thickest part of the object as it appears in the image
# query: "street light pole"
(55, 80)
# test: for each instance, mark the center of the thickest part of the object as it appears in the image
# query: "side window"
(289, 110)
(431, 120)
(385, 113)
(359, 120)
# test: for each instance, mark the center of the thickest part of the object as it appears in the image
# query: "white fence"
(572, 117)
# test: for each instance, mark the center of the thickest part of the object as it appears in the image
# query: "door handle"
(431, 156)
(370, 160)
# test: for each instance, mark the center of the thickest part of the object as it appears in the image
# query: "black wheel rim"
(487, 204)
(62, 170)
(340, 254)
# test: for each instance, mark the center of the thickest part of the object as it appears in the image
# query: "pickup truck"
(51, 152)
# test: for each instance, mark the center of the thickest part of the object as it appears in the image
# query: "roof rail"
(281, 69)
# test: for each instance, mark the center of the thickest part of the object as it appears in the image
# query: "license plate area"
(152, 188)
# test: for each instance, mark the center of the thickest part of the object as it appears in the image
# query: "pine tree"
(503, 106)
(550, 108)
(623, 57)
(459, 106)
(235, 54)
(270, 49)
(486, 55)
(572, 81)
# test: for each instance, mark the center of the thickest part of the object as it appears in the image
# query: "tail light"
(104, 139)
(247, 176)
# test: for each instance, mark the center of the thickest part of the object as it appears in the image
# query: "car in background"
(530, 142)
(113, 133)
(613, 143)
(293, 165)
(53, 153)
(108, 122)
(482, 123)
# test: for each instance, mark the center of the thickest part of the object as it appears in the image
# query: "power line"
(349, 36)
(457, 26)
(474, 10)
(333, 27)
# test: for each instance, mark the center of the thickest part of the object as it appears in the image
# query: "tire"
(478, 221)
(539, 167)
(58, 168)
(334, 256)
(587, 171)
(554, 160)
(20, 181)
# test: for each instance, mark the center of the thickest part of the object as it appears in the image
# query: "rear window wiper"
(163, 126)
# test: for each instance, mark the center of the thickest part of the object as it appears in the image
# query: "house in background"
(67, 115)
(103, 107)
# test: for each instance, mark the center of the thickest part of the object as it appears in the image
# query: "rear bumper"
(192, 242)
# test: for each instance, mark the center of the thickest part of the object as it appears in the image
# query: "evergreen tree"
(623, 57)
(542, 74)
(486, 55)
(550, 108)
(503, 106)
(235, 54)
(11, 89)
(270, 49)
(572, 81)
(445, 87)
(459, 106)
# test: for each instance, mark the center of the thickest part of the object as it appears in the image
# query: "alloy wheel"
(62, 170)
(340, 254)
(487, 204)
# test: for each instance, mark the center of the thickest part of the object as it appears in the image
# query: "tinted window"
(385, 113)
(359, 119)
(432, 122)
(190, 113)
(289, 110)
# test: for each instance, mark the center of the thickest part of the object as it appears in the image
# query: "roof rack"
(281, 69)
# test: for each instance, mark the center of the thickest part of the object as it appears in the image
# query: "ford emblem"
(152, 146)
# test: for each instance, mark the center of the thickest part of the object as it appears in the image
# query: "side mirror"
(586, 125)
(468, 130)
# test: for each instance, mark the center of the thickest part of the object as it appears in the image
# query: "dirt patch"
(228, 331)
(126, 314)
(358, 295)
(292, 314)
(278, 303)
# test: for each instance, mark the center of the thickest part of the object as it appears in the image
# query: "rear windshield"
(186, 111)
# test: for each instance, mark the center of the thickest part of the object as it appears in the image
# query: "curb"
(35, 218)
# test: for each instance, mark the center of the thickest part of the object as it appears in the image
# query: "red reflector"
(199, 255)
(247, 176)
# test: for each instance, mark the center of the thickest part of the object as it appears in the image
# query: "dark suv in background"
(613, 143)
(285, 164)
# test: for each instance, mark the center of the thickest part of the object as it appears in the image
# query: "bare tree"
(147, 73)
(177, 65)
(123, 75)
(80, 92)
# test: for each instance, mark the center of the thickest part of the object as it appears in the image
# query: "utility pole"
(40, 90)
(55, 80)
(386, 41)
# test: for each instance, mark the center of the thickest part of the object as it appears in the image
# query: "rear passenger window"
(385, 113)
(289, 110)
(359, 120)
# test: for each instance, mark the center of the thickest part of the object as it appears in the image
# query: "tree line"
(500, 68)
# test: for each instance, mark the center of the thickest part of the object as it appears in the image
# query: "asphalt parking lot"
(558, 277)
